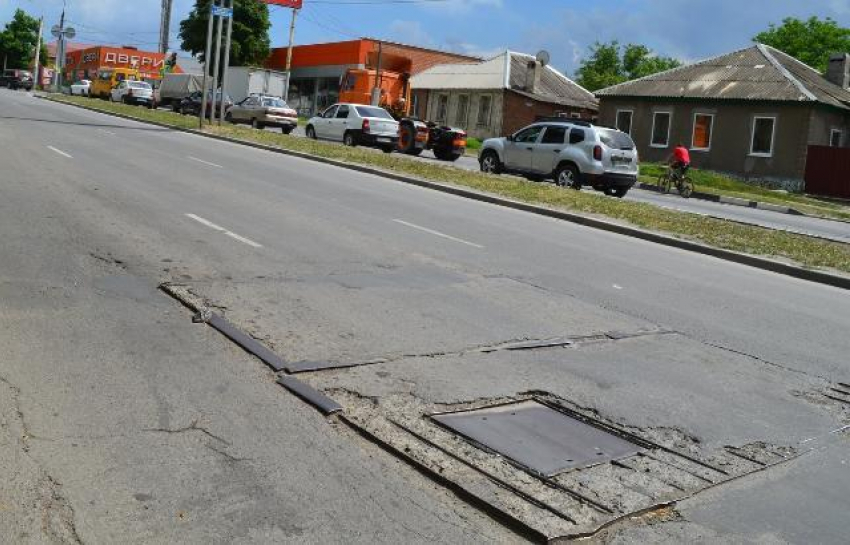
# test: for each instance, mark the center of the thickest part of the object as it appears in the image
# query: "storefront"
(84, 63)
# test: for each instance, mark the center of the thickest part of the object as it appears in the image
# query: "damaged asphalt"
(723, 371)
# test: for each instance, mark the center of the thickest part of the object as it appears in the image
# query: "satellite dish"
(70, 33)
(543, 57)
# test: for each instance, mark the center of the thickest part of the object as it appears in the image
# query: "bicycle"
(683, 183)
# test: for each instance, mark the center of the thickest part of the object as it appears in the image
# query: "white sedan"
(356, 124)
(133, 92)
(81, 88)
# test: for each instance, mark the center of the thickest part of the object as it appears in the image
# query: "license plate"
(383, 139)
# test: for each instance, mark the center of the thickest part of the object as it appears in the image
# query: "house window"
(485, 105)
(835, 138)
(462, 110)
(660, 130)
(701, 137)
(762, 141)
(624, 121)
(442, 108)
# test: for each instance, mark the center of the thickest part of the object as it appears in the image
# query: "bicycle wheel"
(686, 187)
(664, 183)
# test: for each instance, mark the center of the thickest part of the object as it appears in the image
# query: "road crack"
(194, 426)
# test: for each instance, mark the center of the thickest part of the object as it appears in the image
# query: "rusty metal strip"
(247, 342)
(310, 394)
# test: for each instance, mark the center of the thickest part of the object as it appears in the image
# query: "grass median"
(802, 250)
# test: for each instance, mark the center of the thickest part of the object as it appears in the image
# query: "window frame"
(462, 122)
(631, 120)
(840, 137)
(669, 115)
(445, 114)
(555, 127)
(539, 128)
(710, 131)
(772, 136)
(489, 111)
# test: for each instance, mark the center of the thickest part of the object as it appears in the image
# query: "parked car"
(133, 92)
(81, 88)
(264, 111)
(572, 153)
(17, 79)
(191, 105)
(356, 124)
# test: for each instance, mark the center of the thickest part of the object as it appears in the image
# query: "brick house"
(498, 96)
(751, 113)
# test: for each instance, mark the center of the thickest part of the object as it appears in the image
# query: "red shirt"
(681, 155)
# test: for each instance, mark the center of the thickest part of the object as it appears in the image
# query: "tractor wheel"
(407, 139)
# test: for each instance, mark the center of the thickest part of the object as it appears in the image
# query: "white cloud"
(411, 32)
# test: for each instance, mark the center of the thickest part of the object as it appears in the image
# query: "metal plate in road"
(538, 437)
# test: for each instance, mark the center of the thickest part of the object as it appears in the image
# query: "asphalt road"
(329, 265)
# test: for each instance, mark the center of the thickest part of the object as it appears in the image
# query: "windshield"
(274, 103)
(138, 85)
(371, 111)
(616, 139)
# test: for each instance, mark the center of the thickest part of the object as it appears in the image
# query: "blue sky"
(686, 30)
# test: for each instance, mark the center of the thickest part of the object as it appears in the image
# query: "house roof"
(507, 70)
(759, 72)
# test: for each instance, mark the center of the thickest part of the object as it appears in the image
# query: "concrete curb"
(731, 200)
(810, 275)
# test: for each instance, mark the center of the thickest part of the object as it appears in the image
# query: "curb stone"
(736, 201)
(811, 275)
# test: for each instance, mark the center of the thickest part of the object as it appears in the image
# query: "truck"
(175, 87)
(244, 81)
(385, 82)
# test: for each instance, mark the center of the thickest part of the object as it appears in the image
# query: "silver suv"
(573, 153)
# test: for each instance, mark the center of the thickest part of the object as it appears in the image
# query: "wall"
(88, 61)
(823, 120)
(731, 135)
(521, 111)
(493, 127)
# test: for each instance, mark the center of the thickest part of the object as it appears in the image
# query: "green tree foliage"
(250, 44)
(610, 63)
(18, 40)
(811, 41)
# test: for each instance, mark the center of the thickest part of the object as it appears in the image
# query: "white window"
(442, 108)
(624, 121)
(485, 105)
(835, 138)
(660, 129)
(762, 137)
(462, 115)
(701, 136)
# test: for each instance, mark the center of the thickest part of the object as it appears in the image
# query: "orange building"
(84, 63)
(318, 68)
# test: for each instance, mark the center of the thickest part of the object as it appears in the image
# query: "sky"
(688, 31)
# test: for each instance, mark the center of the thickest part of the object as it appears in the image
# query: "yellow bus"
(108, 78)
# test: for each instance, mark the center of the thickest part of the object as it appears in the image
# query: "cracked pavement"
(160, 429)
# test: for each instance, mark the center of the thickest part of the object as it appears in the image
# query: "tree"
(18, 40)
(250, 41)
(811, 41)
(609, 64)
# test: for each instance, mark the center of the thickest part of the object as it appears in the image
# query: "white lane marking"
(437, 233)
(104, 131)
(204, 162)
(60, 152)
(221, 229)
(617, 287)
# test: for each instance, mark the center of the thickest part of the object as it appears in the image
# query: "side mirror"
(511, 138)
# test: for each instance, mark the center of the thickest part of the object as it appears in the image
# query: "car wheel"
(446, 155)
(254, 124)
(620, 192)
(490, 162)
(349, 139)
(568, 175)
(311, 132)
(228, 117)
(388, 149)
(286, 130)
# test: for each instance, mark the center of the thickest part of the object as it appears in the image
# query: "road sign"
(56, 31)
(219, 11)
(70, 33)
(285, 3)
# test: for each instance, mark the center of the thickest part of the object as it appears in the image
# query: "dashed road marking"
(221, 229)
(204, 162)
(438, 234)
(60, 152)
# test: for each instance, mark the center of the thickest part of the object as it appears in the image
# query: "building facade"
(84, 63)
(498, 96)
(316, 70)
(752, 113)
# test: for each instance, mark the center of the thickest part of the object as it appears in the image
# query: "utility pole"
(225, 64)
(376, 91)
(36, 75)
(60, 50)
(217, 64)
(165, 26)
(207, 56)
(289, 54)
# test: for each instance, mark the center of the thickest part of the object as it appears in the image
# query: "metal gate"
(828, 171)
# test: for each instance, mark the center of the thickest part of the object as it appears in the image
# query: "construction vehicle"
(385, 82)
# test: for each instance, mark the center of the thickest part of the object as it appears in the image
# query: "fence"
(828, 171)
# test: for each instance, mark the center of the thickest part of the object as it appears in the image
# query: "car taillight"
(460, 140)
(597, 153)
(422, 134)
(365, 125)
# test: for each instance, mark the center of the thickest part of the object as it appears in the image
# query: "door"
(248, 110)
(119, 91)
(339, 123)
(545, 154)
(519, 151)
(323, 124)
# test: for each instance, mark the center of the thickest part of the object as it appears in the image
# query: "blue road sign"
(219, 11)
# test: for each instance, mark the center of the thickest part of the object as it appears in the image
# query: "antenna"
(543, 57)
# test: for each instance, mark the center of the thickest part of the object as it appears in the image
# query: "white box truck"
(243, 81)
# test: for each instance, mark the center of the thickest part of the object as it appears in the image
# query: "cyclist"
(680, 161)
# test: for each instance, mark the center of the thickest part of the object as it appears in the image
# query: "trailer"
(244, 81)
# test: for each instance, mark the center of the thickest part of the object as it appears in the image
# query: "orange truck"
(385, 82)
